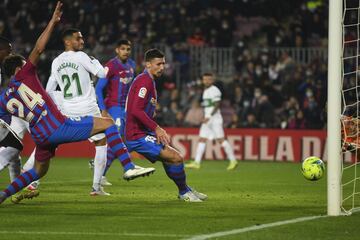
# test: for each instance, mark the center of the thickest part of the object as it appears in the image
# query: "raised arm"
(44, 37)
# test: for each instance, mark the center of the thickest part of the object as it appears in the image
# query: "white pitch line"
(253, 228)
(96, 234)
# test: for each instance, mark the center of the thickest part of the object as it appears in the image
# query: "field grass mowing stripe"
(96, 234)
(68, 181)
(253, 228)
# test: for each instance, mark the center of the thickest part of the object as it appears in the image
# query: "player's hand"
(205, 120)
(162, 136)
(57, 12)
(105, 113)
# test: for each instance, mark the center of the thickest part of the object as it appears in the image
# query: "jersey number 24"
(31, 100)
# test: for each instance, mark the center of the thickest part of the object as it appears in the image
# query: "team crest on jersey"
(142, 92)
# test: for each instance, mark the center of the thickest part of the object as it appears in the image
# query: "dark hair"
(153, 53)
(11, 62)
(123, 42)
(69, 32)
(208, 74)
(4, 42)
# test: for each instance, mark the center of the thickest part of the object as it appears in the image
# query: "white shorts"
(17, 125)
(93, 111)
(3, 130)
(213, 129)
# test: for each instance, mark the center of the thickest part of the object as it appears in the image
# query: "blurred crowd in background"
(265, 92)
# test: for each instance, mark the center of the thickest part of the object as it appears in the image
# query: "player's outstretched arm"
(44, 37)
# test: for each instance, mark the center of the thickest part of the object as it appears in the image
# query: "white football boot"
(189, 196)
(99, 192)
(200, 195)
(105, 182)
(137, 171)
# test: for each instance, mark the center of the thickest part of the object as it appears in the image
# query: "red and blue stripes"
(21, 182)
(177, 174)
(118, 147)
(117, 90)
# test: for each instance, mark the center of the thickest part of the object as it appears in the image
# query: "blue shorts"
(146, 146)
(72, 130)
(119, 116)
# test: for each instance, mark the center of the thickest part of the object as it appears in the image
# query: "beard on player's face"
(78, 46)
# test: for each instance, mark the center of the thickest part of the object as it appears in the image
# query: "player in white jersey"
(212, 126)
(71, 71)
(10, 153)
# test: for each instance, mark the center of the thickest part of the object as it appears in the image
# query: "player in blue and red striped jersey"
(12, 129)
(26, 98)
(120, 72)
(145, 136)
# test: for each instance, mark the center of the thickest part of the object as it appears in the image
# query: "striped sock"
(118, 147)
(21, 182)
(110, 156)
(177, 174)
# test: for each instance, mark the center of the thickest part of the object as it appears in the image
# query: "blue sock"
(118, 147)
(21, 182)
(177, 174)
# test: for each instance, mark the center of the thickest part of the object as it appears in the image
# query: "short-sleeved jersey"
(70, 70)
(27, 99)
(120, 76)
(140, 107)
(210, 96)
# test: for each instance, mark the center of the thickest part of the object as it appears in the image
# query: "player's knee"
(108, 122)
(101, 124)
(178, 159)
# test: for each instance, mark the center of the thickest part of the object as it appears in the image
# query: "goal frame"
(334, 164)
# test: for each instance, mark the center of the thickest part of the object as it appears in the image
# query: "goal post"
(334, 164)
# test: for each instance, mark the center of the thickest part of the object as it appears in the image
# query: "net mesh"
(350, 185)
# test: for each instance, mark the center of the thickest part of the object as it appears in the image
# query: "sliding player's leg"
(118, 115)
(43, 155)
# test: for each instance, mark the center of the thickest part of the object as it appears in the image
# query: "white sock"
(228, 150)
(200, 152)
(30, 162)
(3, 161)
(99, 165)
(15, 167)
(10, 157)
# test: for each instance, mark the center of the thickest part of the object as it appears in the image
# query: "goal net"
(350, 119)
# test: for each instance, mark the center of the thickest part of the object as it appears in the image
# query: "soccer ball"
(313, 168)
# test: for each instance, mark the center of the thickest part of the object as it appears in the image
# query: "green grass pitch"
(255, 193)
